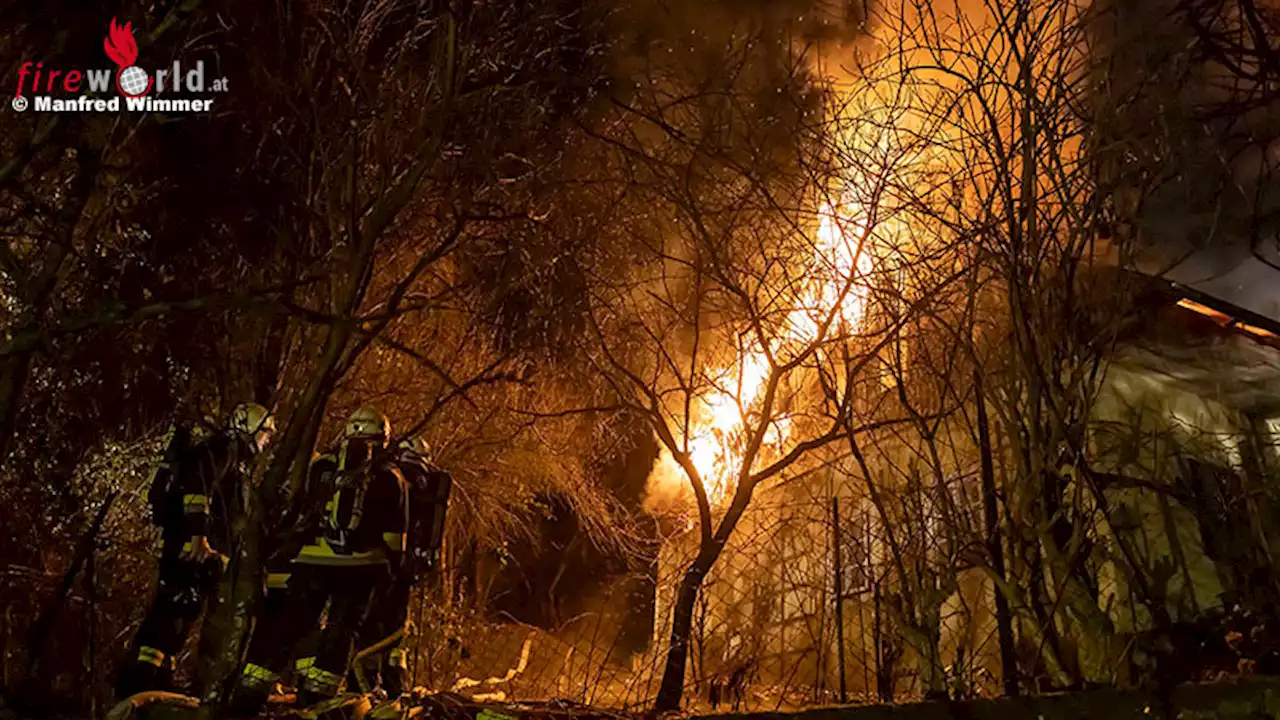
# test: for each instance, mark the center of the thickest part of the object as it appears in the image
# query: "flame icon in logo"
(131, 80)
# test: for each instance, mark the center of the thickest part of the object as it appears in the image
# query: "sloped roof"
(1210, 346)
(1243, 277)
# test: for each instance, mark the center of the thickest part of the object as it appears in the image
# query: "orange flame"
(120, 45)
(839, 266)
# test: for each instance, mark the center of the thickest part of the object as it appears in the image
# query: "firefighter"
(349, 563)
(191, 492)
(429, 488)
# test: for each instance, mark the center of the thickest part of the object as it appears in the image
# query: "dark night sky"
(1218, 145)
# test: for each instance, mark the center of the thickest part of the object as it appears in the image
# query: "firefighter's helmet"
(368, 424)
(251, 419)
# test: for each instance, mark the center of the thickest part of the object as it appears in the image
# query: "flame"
(719, 433)
(120, 45)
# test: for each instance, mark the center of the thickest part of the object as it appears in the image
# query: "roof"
(1209, 346)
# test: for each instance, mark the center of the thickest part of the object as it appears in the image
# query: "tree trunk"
(923, 635)
(995, 548)
(1259, 502)
(671, 692)
(267, 361)
(1042, 627)
(1094, 630)
(13, 377)
(229, 620)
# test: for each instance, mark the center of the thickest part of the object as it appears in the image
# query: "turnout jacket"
(365, 514)
(209, 477)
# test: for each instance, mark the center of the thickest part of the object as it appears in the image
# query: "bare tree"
(741, 275)
(917, 470)
(1189, 111)
(386, 151)
(1003, 91)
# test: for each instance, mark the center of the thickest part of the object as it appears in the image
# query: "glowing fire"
(720, 419)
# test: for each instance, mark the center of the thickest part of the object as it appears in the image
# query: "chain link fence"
(767, 631)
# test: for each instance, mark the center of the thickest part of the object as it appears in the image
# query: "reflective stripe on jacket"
(320, 552)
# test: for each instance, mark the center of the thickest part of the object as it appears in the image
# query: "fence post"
(839, 594)
(878, 640)
(868, 573)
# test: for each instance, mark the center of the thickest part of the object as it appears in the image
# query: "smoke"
(704, 23)
(1201, 137)
(707, 38)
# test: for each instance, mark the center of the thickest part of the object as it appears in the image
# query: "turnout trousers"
(182, 593)
(343, 596)
(387, 668)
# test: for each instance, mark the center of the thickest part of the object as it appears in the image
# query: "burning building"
(1182, 438)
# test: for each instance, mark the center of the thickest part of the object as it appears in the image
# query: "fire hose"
(130, 705)
(383, 644)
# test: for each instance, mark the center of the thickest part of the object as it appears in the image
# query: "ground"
(1239, 699)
